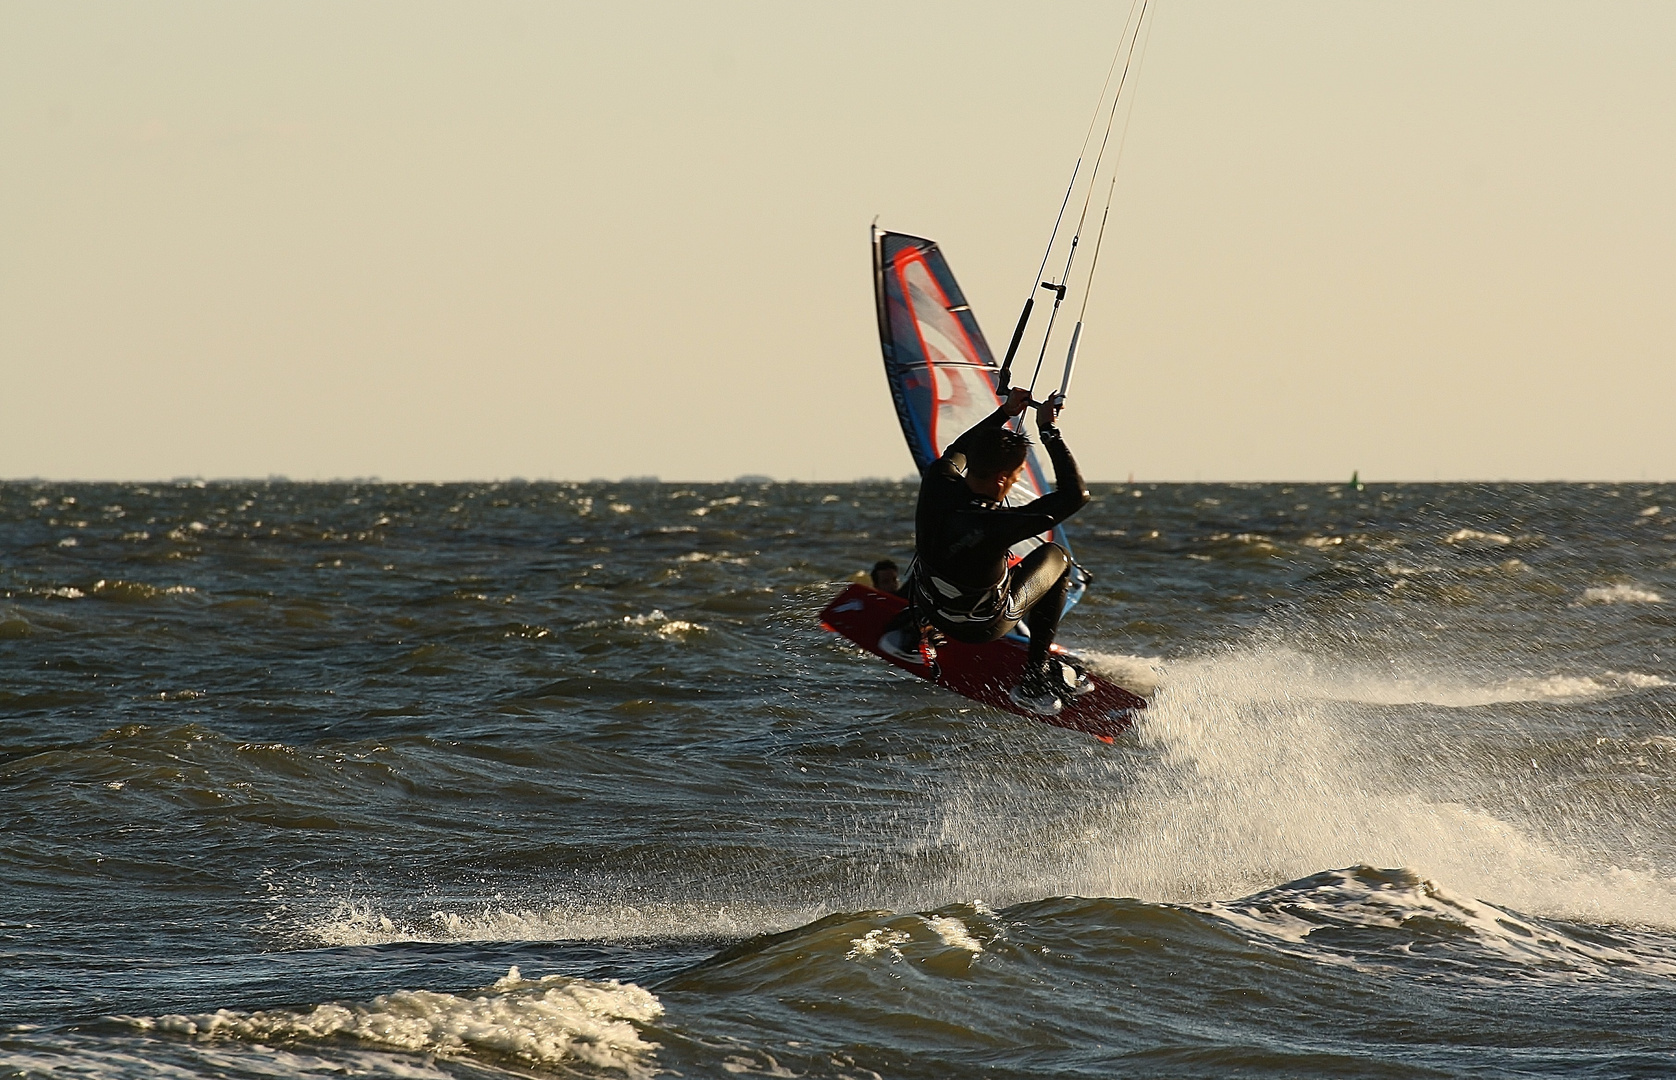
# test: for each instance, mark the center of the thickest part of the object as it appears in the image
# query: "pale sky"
(1425, 240)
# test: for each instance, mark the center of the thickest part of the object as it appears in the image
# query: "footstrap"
(927, 643)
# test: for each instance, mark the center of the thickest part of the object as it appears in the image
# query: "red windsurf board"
(983, 673)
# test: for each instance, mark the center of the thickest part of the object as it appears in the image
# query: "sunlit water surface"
(488, 780)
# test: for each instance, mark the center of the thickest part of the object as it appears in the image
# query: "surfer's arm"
(1017, 400)
(953, 462)
(964, 443)
(1069, 493)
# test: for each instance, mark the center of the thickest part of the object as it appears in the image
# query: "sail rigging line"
(1004, 377)
(1065, 275)
(1088, 198)
(1110, 117)
(1099, 240)
(1087, 290)
(1094, 263)
(1117, 163)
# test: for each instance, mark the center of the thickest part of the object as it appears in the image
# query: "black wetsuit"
(961, 582)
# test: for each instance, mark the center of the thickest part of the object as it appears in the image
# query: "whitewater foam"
(660, 624)
(544, 1021)
(881, 939)
(894, 938)
(1619, 594)
(79, 1055)
(954, 933)
(1478, 537)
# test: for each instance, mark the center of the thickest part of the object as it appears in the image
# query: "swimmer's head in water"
(885, 576)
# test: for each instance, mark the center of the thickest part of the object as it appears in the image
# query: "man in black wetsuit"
(960, 583)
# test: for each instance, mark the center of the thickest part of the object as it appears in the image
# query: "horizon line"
(749, 479)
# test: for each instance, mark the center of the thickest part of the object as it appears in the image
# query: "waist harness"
(949, 603)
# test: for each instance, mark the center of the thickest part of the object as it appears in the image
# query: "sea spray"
(1256, 767)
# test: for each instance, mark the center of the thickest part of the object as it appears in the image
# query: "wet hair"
(883, 565)
(996, 451)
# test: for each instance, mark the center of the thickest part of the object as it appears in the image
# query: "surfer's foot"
(1073, 678)
(1036, 694)
(905, 644)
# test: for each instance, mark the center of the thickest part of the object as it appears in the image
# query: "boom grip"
(1070, 360)
(1006, 374)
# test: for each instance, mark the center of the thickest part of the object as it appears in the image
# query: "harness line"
(1004, 379)
(1094, 264)
(1088, 199)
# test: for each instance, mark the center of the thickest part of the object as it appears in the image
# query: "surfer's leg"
(910, 635)
(1036, 590)
(1044, 584)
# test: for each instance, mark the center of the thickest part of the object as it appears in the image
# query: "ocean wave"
(544, 1021)
(1478, 537)
(958, 964)
(142, 1057)
(1619, 594)
(362, 922)
(1332, 911)
(14, 627)
(659, 622)
(928, 937)
(720, 557)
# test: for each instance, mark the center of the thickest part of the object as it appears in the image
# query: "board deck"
(983, 673)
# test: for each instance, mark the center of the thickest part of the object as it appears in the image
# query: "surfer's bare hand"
(1018, 399)
(1047, 412)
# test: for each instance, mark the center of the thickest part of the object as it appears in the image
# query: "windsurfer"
(961, 585)
(886, 577)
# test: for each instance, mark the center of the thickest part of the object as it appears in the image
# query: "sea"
(565, 780)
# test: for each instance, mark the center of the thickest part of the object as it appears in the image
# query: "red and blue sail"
(940, 370)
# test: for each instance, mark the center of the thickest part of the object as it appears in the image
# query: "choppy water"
(407, 780)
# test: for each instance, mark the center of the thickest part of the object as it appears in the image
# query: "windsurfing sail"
(940, 369)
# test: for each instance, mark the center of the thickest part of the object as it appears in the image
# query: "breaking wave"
(543, 1021)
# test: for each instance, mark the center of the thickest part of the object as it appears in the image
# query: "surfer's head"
(886, 576)
(995, 460)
